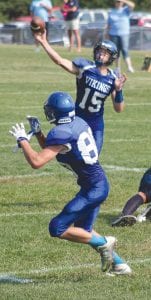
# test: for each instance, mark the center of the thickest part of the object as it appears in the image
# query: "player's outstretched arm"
(34, 158)
(54, 56)
(39, 159)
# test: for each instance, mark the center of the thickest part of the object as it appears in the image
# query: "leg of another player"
(127, 218)
(118, 64)
(71, 39)
(78, 39)
(133, 203)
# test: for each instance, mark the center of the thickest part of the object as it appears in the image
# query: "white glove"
(18, 131)
(17, 146)
(34, 124)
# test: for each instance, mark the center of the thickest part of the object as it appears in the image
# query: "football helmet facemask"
(59, 108)
(110, 47)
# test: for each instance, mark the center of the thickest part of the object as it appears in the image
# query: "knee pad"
(54, 228)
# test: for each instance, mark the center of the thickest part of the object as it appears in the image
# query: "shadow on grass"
(107, 218)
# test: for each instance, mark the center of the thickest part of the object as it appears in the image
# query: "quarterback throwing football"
(94, 82)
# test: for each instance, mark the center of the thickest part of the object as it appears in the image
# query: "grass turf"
(30, 198)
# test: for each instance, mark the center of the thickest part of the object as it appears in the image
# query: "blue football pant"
(82, 210)
(97, 127)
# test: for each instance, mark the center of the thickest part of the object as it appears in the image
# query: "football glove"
(18, 131)
(17, 146)
(34, 124)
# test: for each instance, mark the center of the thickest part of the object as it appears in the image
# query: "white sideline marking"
(109, 167)
(30, 93)
(15, 214)
(25, 176)
(107, 141)
(44, 213)
(118, 168)
(11, 274)
(13, 279)
(12, 146)
(129, 121)
(127, 140)
(138, 104)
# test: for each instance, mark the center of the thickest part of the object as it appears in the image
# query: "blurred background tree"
(12, 9)
(140, 4)
(9, 9)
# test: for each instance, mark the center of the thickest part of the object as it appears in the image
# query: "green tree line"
(11, 9)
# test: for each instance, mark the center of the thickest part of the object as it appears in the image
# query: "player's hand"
(119, 82)
(40, 37)
(34, 124)
(17, 146)
(19, 133)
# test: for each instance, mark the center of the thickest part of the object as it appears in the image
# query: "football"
(37, 25)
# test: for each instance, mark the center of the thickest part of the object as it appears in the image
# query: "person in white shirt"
(42, 9)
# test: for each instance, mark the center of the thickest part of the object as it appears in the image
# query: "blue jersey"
(81, 155)
(92, 90)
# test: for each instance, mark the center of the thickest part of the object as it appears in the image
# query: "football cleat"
(146, 215)
(128, 220)
(106, 252)
(120, 269)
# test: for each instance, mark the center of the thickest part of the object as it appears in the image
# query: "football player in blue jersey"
(95, 81)
(143, 196)
(72, 137)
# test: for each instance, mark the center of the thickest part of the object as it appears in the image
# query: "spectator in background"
(119, 29)
(42, 9)
(70, 10)
(64, 8)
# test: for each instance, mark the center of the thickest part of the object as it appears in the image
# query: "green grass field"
(33, 265)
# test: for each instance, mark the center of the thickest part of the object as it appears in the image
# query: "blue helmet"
(110, 47)
(59, 108)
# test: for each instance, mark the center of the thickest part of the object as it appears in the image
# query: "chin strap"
(100, 63)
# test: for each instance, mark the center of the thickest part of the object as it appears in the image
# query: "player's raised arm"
(55, 57)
